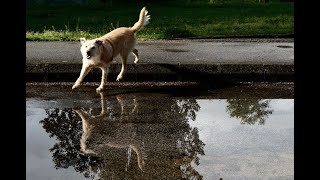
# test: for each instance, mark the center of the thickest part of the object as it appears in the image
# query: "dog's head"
(90, 48)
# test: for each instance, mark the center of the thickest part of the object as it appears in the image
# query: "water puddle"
(176, 50)
(154, 136)
(284, 46)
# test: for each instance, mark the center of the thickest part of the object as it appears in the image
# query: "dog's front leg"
(103, 105)
(104, 76)
(86, 127)
(84, 71)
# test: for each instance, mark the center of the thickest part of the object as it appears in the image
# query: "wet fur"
(100, 52)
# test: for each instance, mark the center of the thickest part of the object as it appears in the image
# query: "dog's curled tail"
(143, 20)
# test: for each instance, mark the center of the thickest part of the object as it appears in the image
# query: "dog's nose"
(88, 53)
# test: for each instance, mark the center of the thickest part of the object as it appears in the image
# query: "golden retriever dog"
(100, 52)
(115, 134)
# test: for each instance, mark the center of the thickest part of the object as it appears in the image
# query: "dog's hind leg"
(140, 155)
(104, 76)
(124, 58)
(136, 55)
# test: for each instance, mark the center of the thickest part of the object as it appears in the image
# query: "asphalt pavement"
(174, 60)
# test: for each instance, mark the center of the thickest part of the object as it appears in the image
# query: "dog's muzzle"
(88, 54)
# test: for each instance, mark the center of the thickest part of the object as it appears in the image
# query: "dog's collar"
(111, 46)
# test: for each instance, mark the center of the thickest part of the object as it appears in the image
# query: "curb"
(166, 72)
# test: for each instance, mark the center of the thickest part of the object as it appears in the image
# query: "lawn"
(69, 22)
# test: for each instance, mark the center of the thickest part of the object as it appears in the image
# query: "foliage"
(173, 19)
(249, 111)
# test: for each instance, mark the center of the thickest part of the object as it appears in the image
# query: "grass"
(69, 22)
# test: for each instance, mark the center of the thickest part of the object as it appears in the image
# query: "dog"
(100, 52)
(114, 133)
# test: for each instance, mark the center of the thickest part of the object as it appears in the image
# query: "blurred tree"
(65, 126)
(249, 111)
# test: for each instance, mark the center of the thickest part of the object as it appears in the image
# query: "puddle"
(154, 136)
(176, 50)
(284, 46)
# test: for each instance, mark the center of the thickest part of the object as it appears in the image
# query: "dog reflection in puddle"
(109, 131)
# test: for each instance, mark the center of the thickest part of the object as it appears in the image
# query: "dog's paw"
(76, 108)
(75, 85)
(100, 88)
(119, 78)
(87, 152)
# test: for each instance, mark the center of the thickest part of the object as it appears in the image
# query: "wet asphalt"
(243, 90)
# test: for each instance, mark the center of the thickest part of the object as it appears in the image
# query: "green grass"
(69, 22)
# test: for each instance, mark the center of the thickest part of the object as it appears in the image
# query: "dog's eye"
(93, 47)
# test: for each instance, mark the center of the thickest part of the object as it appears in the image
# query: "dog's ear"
(99, 42)
(82, 40)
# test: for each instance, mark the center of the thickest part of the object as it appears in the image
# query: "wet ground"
(240, 132)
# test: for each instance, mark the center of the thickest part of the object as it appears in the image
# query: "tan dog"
(100, 52)
(120, 135)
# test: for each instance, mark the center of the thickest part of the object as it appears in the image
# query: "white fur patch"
(146, 18)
